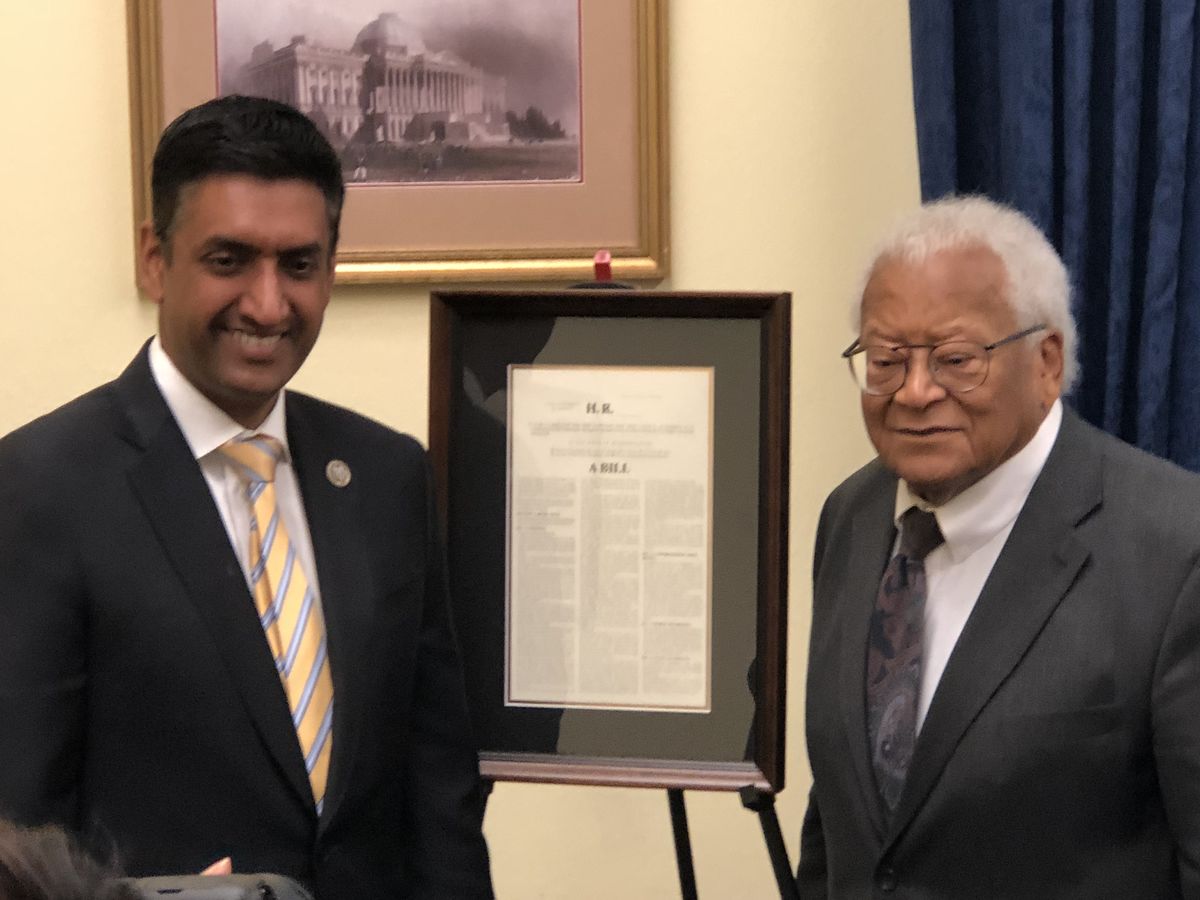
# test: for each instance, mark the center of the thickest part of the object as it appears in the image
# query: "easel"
(742, 332)
(753, 799)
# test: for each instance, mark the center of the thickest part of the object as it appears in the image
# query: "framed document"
(609, 517)
(612, 473)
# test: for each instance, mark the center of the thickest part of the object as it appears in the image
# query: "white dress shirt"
(205, 427)
(976, 525)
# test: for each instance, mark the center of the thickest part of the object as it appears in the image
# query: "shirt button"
(887, 880)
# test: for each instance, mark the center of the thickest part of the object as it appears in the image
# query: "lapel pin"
(338, 473)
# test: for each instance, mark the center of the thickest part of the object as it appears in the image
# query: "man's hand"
(220, 867)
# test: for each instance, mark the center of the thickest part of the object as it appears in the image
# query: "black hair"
(236, 135)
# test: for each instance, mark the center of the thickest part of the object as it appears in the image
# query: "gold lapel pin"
(338, 473)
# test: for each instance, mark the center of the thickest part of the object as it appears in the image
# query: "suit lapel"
(1037, 566)
(176, 500)
(341, 547)
(872, 536)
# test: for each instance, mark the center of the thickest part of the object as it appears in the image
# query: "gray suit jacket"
(1060, 756)
(139, 702)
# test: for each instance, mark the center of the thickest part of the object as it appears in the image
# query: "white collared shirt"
(205, 427)
(975, 524)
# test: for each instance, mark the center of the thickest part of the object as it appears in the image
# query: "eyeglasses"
(957, 366)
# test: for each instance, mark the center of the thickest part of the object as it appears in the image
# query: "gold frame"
(647, 257)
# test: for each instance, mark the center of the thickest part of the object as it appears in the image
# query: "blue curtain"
(1085, 114)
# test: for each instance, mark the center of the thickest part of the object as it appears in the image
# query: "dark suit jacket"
(1060, 756)
(139, 702)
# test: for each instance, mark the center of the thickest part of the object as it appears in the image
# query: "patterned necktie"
(894, 655)
(287, 608)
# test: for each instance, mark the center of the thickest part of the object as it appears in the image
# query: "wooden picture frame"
(475, 337)
(470, 231)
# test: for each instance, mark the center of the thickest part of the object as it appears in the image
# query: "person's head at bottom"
(47, 864)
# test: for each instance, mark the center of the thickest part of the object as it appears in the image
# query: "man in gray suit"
(1004, 695)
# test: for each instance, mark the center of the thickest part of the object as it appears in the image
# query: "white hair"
(1039, 289)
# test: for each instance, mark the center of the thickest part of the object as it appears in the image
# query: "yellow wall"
(792, 143)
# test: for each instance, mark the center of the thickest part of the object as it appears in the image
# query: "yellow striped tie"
(287, 608)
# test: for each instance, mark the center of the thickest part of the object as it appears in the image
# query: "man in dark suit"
(201, 658)
(1003, 696)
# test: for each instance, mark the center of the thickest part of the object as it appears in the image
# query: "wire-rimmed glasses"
(957, 366)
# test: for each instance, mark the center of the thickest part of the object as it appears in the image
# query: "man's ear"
(151, 263)
(331, 274)
(1050, 366)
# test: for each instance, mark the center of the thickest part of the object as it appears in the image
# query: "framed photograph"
(612, 473)
(480, 139)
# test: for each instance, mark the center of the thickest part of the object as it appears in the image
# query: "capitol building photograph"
(399, 111)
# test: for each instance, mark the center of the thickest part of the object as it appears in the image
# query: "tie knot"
(919, 533)
(255, 455)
